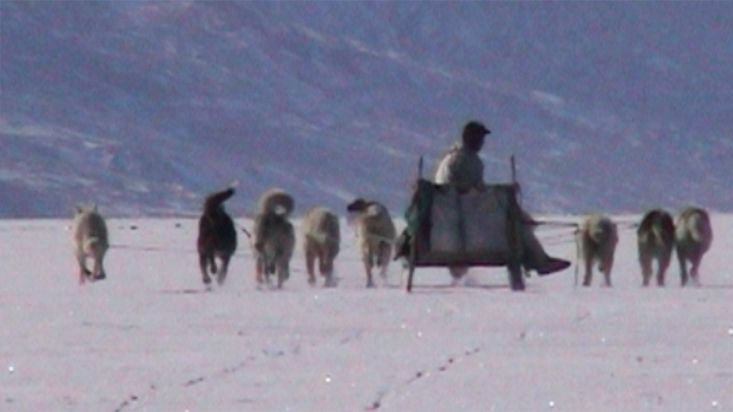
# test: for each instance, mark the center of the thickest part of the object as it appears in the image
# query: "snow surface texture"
(150, 338)
(145, 107)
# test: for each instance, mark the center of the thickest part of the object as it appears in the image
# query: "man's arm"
(444, 174)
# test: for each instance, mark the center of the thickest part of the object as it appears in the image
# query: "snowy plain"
(149, 338)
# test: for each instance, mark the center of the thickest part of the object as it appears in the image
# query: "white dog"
(599, 236)
(90, 241)
(273, 236)
(321, 239)
(376, 233)
(693, 236)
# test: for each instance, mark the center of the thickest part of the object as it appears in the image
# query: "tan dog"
(376, 233)
(273, 237)
(598, 236)
(90, 241)
(693, 236)
(655, 237)
(321, 239)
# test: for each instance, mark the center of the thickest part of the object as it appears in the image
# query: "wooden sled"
(478, 228)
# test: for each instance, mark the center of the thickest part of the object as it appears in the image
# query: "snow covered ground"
(149, 337)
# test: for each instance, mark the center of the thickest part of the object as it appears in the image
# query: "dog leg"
(385, 253)
(283, 272)
(212, 264)
(98, 270)
(683, 269)
(694, 270)
(203, 263)
(646, 269)
(310, 261)
(221, 276)
(588, 272)
(326, 267)
(83, 265)
(286, 268)
(83, 271)
(607, 267)
(368, 267)
(662, 269)
(607, 276)
(259, 270)
(660, 274)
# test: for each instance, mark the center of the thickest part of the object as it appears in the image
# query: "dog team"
(657, 236)
(273, 241)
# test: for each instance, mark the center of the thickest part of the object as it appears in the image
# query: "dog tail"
(375, 210)
(367, 208)
(657, 227)
(320, 237)
(665, 230)
(601, 229)
(215, 200)
(700, 228)
(276, 201)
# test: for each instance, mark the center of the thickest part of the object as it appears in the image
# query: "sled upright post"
(514, 169)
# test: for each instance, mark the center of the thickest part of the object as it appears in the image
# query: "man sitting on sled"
(463, 168)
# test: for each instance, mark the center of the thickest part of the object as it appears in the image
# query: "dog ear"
(357, 205)
(94, 207)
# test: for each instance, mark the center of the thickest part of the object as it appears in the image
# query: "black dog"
(655, 237)
(217, 236)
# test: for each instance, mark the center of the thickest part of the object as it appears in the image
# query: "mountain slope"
(145, 107)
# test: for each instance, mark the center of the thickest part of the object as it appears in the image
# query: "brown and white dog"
(90, 241)
(655, 237)
(321, 241)
(376, 234)
(217, 237)
(693, 237)
(273, 236)
(598, 236)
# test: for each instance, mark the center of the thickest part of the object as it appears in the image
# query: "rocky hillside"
(144, 107)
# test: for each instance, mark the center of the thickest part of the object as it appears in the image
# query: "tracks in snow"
(271, 353)
(421, 374)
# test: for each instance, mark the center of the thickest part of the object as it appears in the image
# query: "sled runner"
(478, 228)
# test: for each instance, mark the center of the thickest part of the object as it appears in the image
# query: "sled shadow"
(716, 287)
(185, 291)
(450, 289)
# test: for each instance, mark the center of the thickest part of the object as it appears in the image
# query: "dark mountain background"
(144, 107)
